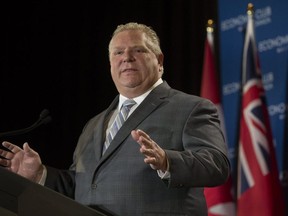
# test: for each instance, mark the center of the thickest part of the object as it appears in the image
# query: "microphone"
(44, 118)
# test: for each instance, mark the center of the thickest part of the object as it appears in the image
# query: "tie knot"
(129, 103)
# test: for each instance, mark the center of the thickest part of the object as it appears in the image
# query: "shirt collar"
(140, 98)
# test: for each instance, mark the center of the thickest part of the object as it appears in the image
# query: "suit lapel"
(99, 134)
(150, 103)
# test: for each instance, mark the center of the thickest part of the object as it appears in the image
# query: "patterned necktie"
(118, 122)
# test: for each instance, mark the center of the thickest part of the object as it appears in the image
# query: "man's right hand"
(25, 162)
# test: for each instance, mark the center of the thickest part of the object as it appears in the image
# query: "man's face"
(134, 67)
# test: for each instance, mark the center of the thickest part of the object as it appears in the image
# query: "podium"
(21, 197)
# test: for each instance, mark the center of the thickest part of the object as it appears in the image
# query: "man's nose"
(128, 56)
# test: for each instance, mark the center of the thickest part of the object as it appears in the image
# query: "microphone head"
(44, 113)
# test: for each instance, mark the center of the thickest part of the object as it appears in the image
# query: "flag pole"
(210, 26)
(210, 30)
(249, 12)
(248, 36)
(250, 9)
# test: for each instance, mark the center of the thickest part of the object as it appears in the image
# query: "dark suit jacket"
(186, 126)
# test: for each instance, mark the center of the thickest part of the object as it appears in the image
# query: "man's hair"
(153, 38)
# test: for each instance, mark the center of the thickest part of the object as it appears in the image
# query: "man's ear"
(160, 62)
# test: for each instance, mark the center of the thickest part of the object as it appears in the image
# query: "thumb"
(27, 150)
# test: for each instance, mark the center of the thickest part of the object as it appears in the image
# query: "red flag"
(258, 187)
(219, 199)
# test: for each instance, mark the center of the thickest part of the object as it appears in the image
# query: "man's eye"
(118, 53)
(140, 50)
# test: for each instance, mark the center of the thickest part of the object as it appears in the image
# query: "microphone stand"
(44, 118)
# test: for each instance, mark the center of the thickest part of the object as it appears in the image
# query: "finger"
(140, 136)
(6, 154)
(144, 139)
(135, 135)
(4, 162)
(152, 162)
(13, 148)
(147, 152)
(143, 134)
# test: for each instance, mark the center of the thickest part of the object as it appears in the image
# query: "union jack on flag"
(258, 186)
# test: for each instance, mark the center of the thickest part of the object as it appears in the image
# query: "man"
(180, 146)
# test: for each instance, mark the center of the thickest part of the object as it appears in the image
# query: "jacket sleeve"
(61, 181)
(204, 161)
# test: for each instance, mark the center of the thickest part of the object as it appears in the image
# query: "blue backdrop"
(271, 21)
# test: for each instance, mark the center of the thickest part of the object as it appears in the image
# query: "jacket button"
(94, 186)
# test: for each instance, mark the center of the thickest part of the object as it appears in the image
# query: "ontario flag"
(258, 186)
(220, 201)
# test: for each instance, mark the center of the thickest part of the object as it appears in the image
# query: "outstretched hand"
(25, 162)
(155, 156)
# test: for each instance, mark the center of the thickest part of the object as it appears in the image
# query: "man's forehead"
(129, 40)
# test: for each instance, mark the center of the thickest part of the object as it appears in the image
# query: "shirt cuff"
(163, 175)
(43, 177)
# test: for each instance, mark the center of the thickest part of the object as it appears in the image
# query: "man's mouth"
(128, 70)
